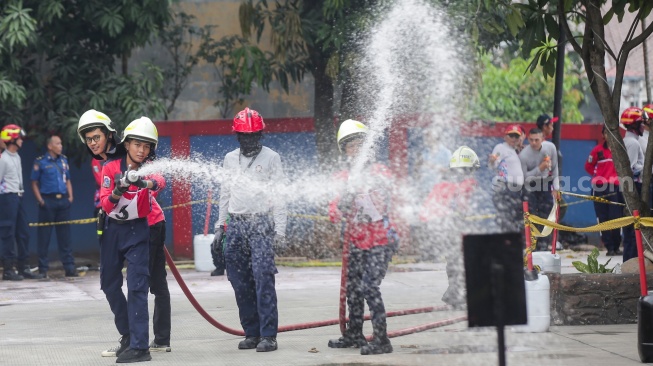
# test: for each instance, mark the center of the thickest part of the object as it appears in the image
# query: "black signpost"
(494, 275)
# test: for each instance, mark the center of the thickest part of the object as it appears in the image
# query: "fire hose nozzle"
(132, 176)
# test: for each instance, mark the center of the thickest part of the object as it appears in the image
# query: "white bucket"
(538, 306)
(548, 262)
(202, 253)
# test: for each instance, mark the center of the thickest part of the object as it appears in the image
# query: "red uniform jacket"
(447, 198)
(367, 224)
(601, 167)
(96, 166)
(135, 203)
(157, 213)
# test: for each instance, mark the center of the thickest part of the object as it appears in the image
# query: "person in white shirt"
(643, 140)
(539, 162)
(13, 221)
(257, 227)
(508, 181)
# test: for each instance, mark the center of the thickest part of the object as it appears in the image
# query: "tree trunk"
(348, 97)
(325, 131)
(608, 101)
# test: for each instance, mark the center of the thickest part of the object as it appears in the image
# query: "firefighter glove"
(216, 246)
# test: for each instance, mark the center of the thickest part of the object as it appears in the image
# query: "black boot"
(377, 347)
(267, 344)
(23, 270)
(134, 355)
(9, 274)
(350, 339)
(249, 343)
(217, 272)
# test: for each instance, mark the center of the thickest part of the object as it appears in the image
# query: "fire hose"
(316, 324)
(342, 318)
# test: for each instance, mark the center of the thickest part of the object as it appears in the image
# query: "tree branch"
(606, 47)
(629, 35)
(628, 46)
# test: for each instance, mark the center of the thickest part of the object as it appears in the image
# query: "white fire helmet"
(349, 130)
(464, 157)
(142, 129)
(93, 118)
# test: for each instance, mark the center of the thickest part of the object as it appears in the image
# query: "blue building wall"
(299, 157)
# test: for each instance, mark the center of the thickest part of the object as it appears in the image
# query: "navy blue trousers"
(630, 244)
(218, 258)
(605, 212)
(55, 210)
(540, 203)
(159, 284)
(130, 242)
(250, 268)
(13, 230)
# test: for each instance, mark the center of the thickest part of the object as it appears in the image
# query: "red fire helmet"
(248, 121)
(11, 132)
(631, 115)
(648, 109)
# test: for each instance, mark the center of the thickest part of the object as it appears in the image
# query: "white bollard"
(538, 306)
(547, 261)
(202, 253)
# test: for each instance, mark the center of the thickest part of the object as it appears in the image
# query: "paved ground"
(68, 322)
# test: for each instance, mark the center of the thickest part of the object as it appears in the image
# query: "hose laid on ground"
(287, 328)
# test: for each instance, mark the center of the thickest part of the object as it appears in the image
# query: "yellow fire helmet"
(141, 129)
(464, 157)
(350, 129)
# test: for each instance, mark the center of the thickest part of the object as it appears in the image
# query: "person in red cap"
(606, 185)
(257, 228)
(508, 181)
(545, 123)
(14, 234)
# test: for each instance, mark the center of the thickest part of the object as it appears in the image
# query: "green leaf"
(514, 21)
(608, 16)
(581, 267)
(593, 265)
(552, 26)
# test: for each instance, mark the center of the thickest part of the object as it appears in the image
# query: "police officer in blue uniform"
(54, 193)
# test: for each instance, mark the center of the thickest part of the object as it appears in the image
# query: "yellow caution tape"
(607, 225)
(594, 198)
(310, 217)
(479, 217)
(69, 222)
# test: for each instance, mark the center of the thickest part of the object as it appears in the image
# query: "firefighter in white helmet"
(444, 213)
(369, 237)
(99, 134)
(127, 199)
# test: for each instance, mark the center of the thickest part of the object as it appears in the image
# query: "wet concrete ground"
(68, 322)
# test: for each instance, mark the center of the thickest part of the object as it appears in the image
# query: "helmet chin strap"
(134, 161)
(109, 144)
